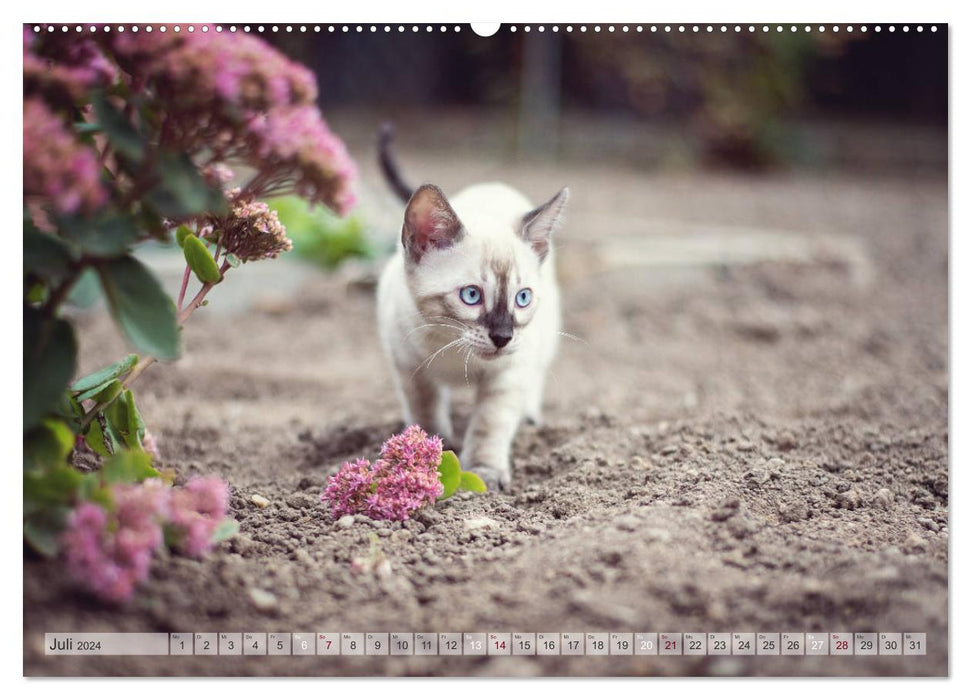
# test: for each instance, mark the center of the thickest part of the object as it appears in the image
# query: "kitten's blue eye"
(524, 297)
(471, 295)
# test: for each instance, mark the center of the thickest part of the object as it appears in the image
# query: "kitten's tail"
(389, 167)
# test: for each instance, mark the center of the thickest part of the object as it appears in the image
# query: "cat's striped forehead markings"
(500, 269)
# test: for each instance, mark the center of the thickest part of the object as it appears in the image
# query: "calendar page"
(514, 349)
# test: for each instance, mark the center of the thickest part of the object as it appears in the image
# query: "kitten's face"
(482, 284)
(487, 291)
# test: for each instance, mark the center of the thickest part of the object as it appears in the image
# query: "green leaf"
(449, 473)
(70, 408)
(200, 260)
(48, 445)
(319, 236)
(129, 466)
(142, 309)
(97, 440)
(42, 530)
(470, 481)
(91, 489)
(123, 427)
(102, 393)
(46, 256)
(85, 290)
(36, 293)
(119, 129)
(87, 127)
(224, 530)
(104, 375)
(181, 190)
(57, 486)
(50, 360)
(136, 426)
(181, 233)
(105, 236)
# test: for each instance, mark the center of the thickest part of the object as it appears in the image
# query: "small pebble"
(883, 498)
(481, 524)
(914, 543)
(264, 601)
(793, 512)
(259, 501)
(850, 500)
(345, 522)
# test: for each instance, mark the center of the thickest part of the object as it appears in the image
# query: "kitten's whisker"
(433, 325)
(439, 317)
(572, 337)
(431, 358)
(449, 319)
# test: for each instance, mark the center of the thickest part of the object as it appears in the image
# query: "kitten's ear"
(539, 224)
(430, 223)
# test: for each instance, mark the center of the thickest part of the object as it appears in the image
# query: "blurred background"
(863, 101)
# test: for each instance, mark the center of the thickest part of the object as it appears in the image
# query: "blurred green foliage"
(319, 236)
(739, 91)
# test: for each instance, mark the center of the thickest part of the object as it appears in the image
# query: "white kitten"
(470, 298)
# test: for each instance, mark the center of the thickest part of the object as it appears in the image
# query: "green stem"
(185, 285)
(61, 292)
(149, 360)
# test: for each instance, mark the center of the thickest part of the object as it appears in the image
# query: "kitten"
(470, 298)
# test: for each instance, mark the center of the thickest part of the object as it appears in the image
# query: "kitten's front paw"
(495, 479)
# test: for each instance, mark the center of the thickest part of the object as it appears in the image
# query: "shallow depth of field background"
(872, 102)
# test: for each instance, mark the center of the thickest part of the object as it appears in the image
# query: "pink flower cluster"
(252, 231)
(196, 511)
(403, 480)
(57, 168)
(110, 551)
(230, 98)
(67, 71)
(242, 100)
(298, 141)
(214, 70)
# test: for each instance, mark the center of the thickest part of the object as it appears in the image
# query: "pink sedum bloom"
(347, 490)
(239, 97)
(58, 169)
(253, 231)
(196, 511)
(110, 553)
(67, 68)
(414, 450)
(297, 140)
(402, 481)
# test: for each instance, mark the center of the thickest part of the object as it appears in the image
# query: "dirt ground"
(746, 447)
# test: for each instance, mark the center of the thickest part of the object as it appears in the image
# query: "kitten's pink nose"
(501, 338)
